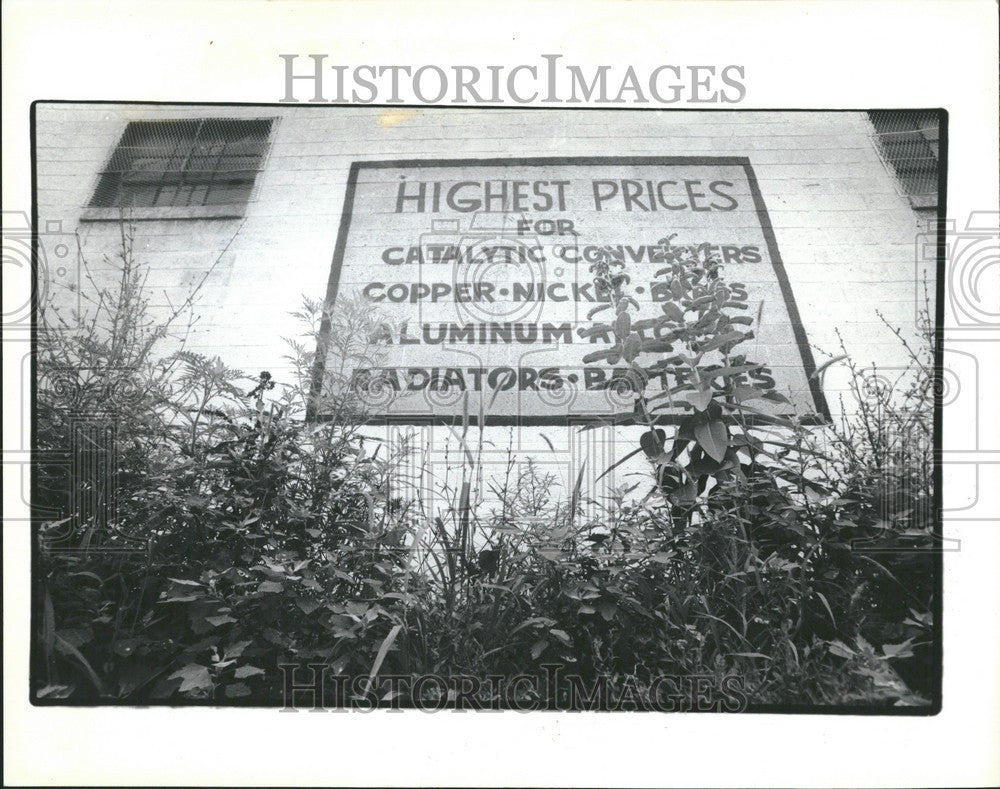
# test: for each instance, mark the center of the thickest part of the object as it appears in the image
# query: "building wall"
(844, 229)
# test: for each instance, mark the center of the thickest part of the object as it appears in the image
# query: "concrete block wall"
(844, 229)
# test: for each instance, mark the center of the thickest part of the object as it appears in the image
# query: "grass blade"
(617, 463)
(574, 501)
(380, 656)
(827, 364)
(464, 510)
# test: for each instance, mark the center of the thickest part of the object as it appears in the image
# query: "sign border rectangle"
(337, 262)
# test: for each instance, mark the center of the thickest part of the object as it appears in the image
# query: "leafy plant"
(254, 522)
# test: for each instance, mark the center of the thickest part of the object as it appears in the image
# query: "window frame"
(122, 176)
(924, 139)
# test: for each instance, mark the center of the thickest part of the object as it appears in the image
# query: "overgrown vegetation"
(234, 535)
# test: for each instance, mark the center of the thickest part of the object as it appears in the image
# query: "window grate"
(909, 141)
(208, 162)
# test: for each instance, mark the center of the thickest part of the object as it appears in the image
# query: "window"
(909, 142)
(183, 164)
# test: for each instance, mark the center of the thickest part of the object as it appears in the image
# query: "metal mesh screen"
(208, 162)
(909, 141)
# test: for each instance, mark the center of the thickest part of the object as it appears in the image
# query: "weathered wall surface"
(844, 230)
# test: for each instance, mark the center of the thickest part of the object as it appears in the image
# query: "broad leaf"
(652, 442)
(607, 609)
(713, 437)
(623, 325)
(632, 347)
(194, 677)
(700, 399)
(672, 311)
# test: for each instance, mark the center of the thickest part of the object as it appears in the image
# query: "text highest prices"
(478, 276)
(625, 194)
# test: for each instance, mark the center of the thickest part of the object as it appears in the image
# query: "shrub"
(244, 523)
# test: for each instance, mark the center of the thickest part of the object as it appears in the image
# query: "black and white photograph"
(501, 394)
(634, 408)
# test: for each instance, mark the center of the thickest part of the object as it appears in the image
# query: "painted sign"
(480, 271)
